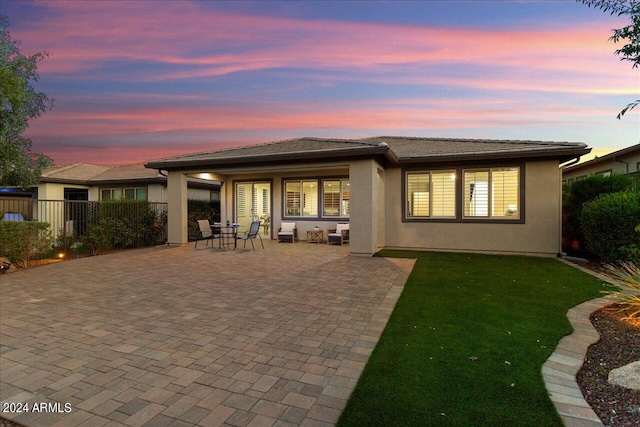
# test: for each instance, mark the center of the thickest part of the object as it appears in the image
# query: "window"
(301, 198)
(492, 193)
(317, 198)
(335, 199)
(123, 194)
(431, 194)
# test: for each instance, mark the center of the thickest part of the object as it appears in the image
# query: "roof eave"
(561, 154)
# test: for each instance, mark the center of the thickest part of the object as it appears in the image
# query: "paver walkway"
(178, 336)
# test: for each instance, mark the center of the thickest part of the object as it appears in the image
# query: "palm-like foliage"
(627, 275)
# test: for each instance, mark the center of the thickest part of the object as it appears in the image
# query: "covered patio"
(179, 336)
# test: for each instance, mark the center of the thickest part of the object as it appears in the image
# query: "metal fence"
(77, 225)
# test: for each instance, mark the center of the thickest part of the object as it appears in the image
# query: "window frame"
(341, 197)
(459, 193)
(430, 173)
(490, 194)
(122, 191)
(319, 181)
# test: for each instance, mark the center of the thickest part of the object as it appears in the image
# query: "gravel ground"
(619, 345)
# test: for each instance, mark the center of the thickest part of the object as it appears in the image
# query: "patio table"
(228, 234)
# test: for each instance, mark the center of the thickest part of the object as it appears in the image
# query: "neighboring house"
(53, 200)
(396, 192)
(81, 181)
(625, 161)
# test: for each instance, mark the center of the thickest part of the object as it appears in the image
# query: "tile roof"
(289, 149)
(73, 172)
(396, 149)
(408, 149)
(91, 174)
(127, 172)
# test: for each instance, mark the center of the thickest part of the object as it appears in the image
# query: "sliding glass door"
(253, 203)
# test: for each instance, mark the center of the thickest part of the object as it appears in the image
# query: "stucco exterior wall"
(55, 191)
(365, 178)
(539, 235)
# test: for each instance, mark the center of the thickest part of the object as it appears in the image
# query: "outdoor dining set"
(228, 234)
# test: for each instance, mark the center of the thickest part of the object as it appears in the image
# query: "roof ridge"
(480, 140)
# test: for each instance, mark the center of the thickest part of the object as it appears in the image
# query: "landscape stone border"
(560, 370)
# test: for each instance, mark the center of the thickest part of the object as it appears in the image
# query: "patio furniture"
(315, 236)
(13, 217)
(265, 221)
(252, 234)
(228, 235)
(339, 235)
(288, 232)
(206, 233)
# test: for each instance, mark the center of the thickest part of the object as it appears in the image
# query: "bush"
(628, 275)
(24, 240)
(580, 192)
(100, 236)
(201, 209)
(132, 224)
(609, 225)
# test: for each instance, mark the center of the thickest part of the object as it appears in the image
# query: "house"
(55, 198)
(81, 181)
(396, 192)
(625, 161)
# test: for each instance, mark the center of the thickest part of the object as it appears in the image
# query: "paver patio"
(178, 336)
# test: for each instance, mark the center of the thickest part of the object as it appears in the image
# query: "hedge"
(610, 226)
(583, 191)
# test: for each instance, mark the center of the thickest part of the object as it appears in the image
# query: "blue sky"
(140, 80)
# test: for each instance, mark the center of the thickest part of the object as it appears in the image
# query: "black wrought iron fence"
(76, 226)
(635, 178)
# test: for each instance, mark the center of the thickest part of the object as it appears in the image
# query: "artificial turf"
(466, 342)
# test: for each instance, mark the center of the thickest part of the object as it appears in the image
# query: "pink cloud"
(206, 43)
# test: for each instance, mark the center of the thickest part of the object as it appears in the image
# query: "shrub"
(100, 236)
(580, 192)
(24, 240)
(201, 209)
(609, 223)
(628, 275)
(133, 224)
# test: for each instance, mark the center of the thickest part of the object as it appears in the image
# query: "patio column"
(177, 208)
(364, 214)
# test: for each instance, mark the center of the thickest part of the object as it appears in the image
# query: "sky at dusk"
(137, 80)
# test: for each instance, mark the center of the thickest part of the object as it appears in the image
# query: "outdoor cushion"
(341, 227)
(287, 228)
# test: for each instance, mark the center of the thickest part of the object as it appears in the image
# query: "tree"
(631, 33)
(19, 103)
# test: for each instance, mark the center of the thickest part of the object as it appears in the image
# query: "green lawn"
(466, 342)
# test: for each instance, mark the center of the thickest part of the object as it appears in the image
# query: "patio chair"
(339, 235)
(288, 232)
(206, 233)
(252, 234)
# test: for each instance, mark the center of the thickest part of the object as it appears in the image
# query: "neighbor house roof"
(396, 149)
(616, 155)
(76, 172)
(87, 174)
